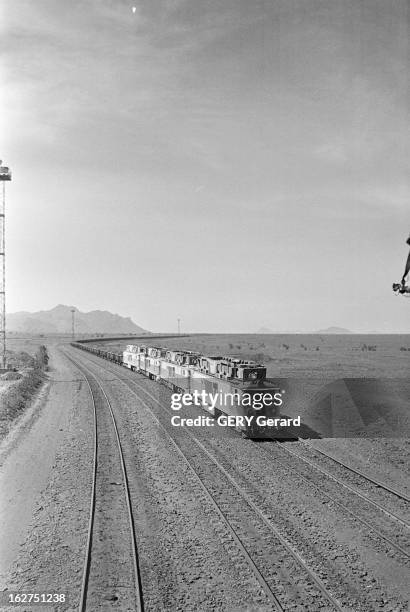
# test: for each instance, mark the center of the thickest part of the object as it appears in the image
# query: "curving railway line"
(111, 531)
(287, 578)
(249, 524)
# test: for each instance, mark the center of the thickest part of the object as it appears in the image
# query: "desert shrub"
(285, 346)
(20, 359)
(41, 357)
(230, 345)
(369, 347)
(15, 399)
(318, 348)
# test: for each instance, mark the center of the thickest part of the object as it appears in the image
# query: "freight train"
(226, 385)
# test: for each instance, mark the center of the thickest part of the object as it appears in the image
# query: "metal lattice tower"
(5, 175)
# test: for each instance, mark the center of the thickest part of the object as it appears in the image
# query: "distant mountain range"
(58, 321)
(328, 330)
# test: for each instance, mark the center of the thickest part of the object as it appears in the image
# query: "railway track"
(111, 576)
(309, 582)
(318, 468)
(374, 481)
(271, 596)
(369, 526)
(382, 536)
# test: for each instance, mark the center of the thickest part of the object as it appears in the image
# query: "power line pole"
(72, 324)
(179, 326)
(5, 175)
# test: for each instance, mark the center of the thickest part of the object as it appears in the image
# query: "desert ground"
(308, 355)
(221, 522)
(364, 377)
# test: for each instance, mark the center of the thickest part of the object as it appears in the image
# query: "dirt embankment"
(45, 472)
(17, 389)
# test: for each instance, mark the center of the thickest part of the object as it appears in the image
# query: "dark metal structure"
(5, 175)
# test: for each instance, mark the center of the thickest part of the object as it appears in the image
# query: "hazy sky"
(235, 163)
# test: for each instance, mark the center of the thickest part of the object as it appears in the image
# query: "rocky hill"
(58, 321)
(335, 330)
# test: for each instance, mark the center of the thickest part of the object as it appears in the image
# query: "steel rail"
(139, 602)
(380, 484)
(364, 522)
(87, 561)
(389, 513)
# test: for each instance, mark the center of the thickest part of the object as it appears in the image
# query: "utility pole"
(179, 326)
(72, 324)
(5, 175)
